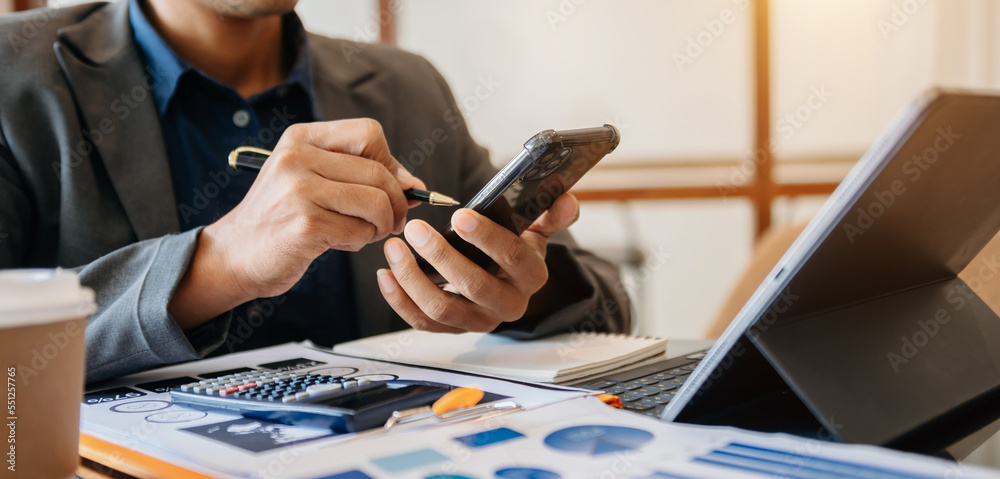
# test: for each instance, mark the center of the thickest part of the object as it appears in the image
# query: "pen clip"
(248, 156)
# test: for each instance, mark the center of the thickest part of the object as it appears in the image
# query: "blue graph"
(597, 440)
(526, 473)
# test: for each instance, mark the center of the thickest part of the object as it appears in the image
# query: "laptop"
(863, 332)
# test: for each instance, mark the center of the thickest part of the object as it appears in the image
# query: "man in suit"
(115, 121)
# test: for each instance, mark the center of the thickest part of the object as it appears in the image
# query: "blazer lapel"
(343, 89)
(104, 71)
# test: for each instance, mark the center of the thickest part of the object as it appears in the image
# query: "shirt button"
(254, 313)
(241, 118)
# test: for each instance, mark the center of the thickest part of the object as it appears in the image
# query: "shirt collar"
(166, 68)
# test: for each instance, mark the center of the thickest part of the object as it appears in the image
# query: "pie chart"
(526, 473)
(598, 440)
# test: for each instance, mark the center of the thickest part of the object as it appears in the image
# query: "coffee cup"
(43, 316)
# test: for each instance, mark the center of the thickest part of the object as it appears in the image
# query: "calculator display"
(373, 397)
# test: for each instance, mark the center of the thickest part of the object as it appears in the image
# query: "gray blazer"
(84, 182)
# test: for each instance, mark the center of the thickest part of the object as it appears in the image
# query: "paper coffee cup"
(43, 315)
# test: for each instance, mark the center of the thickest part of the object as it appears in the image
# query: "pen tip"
(455, 203)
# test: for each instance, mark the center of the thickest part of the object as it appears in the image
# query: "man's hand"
(330, 185)
(486, 300)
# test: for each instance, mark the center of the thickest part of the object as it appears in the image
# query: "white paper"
(555, 436)
(149, 422)
(674, 450)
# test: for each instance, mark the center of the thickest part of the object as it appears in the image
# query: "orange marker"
(610, 400)
(457, 399)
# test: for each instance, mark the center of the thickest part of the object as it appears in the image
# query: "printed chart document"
(584, 438)
(555, 359)
(136, 411)
(562, 434)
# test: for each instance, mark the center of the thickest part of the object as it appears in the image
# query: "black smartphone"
(548, 166)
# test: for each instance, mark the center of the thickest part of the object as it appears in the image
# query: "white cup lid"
(38, 296)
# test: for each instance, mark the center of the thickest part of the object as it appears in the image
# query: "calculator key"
(629, 397)
(655, 401)
(600, 384)
(320, 389)
(616, 390)
(228, 391)
(631, 385)
(645, 392)
(662, 387)
(301, 395)
(350, 383)
(288, 398)
(637, 406)
(646, 381)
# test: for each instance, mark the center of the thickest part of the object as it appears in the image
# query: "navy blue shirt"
(203, 120)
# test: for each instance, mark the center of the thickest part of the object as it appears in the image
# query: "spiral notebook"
(555, 359)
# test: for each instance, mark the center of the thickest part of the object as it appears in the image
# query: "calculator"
(337, 403)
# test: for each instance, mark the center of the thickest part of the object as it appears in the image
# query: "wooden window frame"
(762, 191)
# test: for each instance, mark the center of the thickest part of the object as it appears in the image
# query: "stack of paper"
(557, 359)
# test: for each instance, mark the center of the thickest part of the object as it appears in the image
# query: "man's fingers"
(365, 203)
(468, 278)
(357, 137)
(343, 168)
(361, 137)
(439, 306)
(334, 230)
(406, 308)
(563, 213)
(523, 264)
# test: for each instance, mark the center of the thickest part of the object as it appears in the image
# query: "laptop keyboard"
(646, 394)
